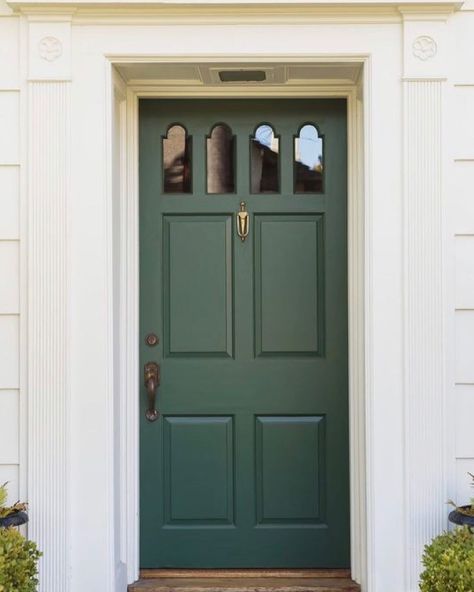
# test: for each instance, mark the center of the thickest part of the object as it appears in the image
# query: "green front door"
(247, 463)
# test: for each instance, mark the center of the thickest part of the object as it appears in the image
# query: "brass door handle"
(243, 222)
(152, 382)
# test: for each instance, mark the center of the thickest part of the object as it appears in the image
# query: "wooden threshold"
(244, 580)
(245, 573)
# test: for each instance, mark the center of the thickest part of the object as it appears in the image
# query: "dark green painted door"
(247, 465)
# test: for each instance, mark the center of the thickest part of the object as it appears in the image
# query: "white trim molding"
(48, 393)
(282, 6)
(424, 397)
(129, 472)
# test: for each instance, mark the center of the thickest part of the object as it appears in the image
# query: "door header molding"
(235, 13)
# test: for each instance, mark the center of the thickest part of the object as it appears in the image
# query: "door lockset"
(152, 382)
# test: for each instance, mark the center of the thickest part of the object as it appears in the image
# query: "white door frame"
(357, 271)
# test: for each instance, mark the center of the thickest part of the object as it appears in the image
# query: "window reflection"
(308, 164)
(264, 160)
(220, 160)
(177, 161)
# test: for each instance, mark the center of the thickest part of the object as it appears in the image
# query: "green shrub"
(3, 495)
(8, 510)
(18, 562)
(449, 563)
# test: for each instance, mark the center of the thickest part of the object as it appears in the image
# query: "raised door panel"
(198, 471)
(290, 453)
(289, 284)
(198, 293)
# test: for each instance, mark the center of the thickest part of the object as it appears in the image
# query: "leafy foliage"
(18, 562)
(469, 509)
(449, 563)
(8, 510)
(3, 495)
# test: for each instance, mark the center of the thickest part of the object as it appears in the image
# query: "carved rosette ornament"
(50, 48)
(424, 47)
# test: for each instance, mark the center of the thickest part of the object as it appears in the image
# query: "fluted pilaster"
(48, 459)
(425, 445)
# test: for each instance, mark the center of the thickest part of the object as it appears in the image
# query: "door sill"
(244, 580)
(245, 573)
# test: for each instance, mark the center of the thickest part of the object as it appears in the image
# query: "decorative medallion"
(50, 48)
(424, 47)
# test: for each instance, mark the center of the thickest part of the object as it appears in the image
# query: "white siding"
(9, 202)
(464, 404)
(463, 489)
(10, 474)
(463, 54)
(9, 124)
(9, 252)
(464, 121)
(9, 286)
(9, 346)
(464, 367)
(9, 440)
(464, 253)
(461, 200)
(9, 52)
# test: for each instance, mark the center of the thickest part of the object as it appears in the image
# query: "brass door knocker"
(243, 222)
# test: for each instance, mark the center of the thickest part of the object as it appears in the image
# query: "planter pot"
(15, 519)
(461, 519)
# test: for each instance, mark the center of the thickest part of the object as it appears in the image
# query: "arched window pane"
(264, 160)
(220, 160)
(308, 160)
(177, 163)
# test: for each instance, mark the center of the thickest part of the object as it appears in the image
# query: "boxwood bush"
(449, 563)
(18, 562)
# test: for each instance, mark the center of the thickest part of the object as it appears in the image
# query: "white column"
(48, 190)
(425, 420)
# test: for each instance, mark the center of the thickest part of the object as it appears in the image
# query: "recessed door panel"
(290, 470)
(198, 294)
(199, 470)
(289, 284)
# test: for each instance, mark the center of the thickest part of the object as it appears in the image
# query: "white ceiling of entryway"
(294, 74)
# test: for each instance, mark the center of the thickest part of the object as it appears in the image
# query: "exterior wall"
(460, 205)
(88, 437)
(10, 399)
